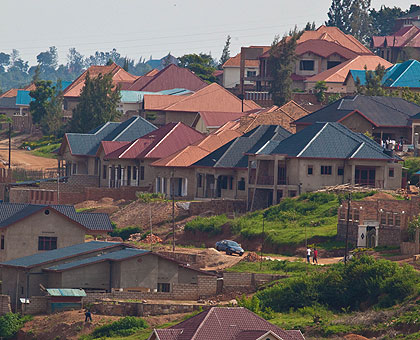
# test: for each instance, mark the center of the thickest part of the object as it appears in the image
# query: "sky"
(139, 28)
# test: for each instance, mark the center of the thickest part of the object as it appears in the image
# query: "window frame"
(304, 62)
(310, 170)
(47, 242)
(326, 170)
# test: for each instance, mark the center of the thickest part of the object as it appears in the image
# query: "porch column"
(276, 178)
(116, 177)
(122, 177)
(109, 176)
(353, 173)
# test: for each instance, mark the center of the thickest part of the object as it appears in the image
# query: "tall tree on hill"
(338, 14)
(201, 64)
(281, 65)
(373, 85)
(383, 20)
(46, 109)
(310, 26)
(225, 53)
(98, 104)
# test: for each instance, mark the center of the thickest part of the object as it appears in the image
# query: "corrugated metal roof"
(66, 292)
(61, 253)
(112, 256)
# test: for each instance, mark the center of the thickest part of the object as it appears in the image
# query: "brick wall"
(217, 207)
(5, 304)
(37, 305)
(408, 248)
(194, 260)
(207, 286)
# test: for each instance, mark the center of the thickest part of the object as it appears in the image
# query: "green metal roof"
(66, 292)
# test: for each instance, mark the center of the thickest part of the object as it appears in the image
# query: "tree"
(320, 88)
(383, 20)
(48, 60)
(310, 26)
(373, 86)
(360, 22)
(46, 108)
(225, 53)
(98, 103)
(337, 14)
(201, 64)
(281, 64)
(4, 61)
(75, 62)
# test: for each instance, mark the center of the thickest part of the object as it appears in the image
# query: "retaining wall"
(5, 304)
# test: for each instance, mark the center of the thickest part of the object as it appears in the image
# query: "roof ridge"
(211, 311)
(164, 137)
(408, 66)
(312, 140)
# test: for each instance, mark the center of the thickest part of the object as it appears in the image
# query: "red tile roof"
(339, 73)
(9, 93)
(406, 37)
(119, 75)
(171, 77)
(155, 145)
(224, 323)
(324, 48)
(152, 72)
(198, 150)
(211, 98)
(216, 119)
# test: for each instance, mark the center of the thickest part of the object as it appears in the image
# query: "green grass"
(288, 268)
(46, 151)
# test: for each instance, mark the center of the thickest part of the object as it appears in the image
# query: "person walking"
(308, 255)
(88, 316)
(315, 257)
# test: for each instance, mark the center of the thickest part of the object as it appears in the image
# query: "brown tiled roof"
(324, 48)
(171, 77)
(406, 37)
(152, 73)
(226, 323)
(155, 102)
(339, 73)
(157, 144)
(193, 153)
(9, 93)
(217, 119)
(119, 75)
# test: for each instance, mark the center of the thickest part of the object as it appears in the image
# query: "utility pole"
(262, 242)
(10, 144)
(58, 187)
(347, 228)
(173, 212)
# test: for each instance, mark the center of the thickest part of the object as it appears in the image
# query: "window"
(2, 242)
(199, 180)
(383, 218)
(223, 182)
(74, 168)
(310, 170)
(355, 215)
(326, 169)
(391, 172)
(241, 184)
(389, 219)
(164, 287)
(230, 183)
(307, 65)
(397, 220)
(142, 173)
(340, 171)
(292, 193)
(47, 243)
(331, 64)
(134, 172)
(104, 169)
(251, 73)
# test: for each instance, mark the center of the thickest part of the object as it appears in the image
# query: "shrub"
(211, 225)
(364, 281)
(10, 324)
(125, 233)
(123, 327)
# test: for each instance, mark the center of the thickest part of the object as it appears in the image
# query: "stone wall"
(248, 280)
(217, 207)
(194, 260)
(408, 248)
(5, 304)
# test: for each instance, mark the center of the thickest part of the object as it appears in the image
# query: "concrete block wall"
(408, 248)
(185, 291)
(37, 305)
(207, 286)
(217, 207)
(249, 280)
(5, 304)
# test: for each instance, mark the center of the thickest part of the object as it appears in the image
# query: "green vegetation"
(147, 197)
(125, 233)
(46, 151)
(363, 283)
(211, 225)
(413, 165)
(123, 327)
(43, 141)
(11, 323)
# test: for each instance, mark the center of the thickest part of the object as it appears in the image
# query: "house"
(96, 265)
(214, 98)
(210, 121)
(131, 102)
(128, 163)
(382, 117)
(399, 76)
(170, 77)
(71, 94)
(77, 153)
(402, 45)
(178, 166)
(225, 323)
(408, 19)
(335, 77)
(317, 51)
(27, 229)
(323, 154)
(159, 64)
(232, 72)
(224, 172)
(377, 222)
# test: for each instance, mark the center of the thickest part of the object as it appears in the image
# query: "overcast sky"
(139, 28)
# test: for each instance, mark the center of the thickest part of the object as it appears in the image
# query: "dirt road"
(322, 261)
(22, 158)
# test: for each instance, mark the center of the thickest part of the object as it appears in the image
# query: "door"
(281, 179)
(128, 175)
(365, 176)
(371, 237)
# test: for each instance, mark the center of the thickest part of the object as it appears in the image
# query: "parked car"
(230, 247)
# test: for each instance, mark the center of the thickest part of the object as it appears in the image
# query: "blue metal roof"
(406, 74)
(112, 256)
(23, 98)
(66, 292)
(61, 253)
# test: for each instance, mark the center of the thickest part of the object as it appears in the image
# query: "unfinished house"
(323, 154)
